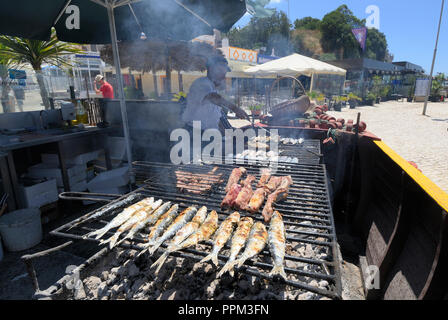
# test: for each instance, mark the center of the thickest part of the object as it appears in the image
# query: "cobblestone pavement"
(418, 138)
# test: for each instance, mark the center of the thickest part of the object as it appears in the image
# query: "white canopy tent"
(294, 65)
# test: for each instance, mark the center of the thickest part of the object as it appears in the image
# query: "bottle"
(81, 114)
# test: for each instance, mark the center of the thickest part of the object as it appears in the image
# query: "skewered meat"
(235, 177)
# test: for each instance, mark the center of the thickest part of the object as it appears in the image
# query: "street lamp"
(433, 61)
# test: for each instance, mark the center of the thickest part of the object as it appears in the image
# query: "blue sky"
(410, 26)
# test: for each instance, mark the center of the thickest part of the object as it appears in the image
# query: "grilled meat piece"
(249, 180)
(231, 196)
(265, 175)
(197, 183)
(245, 194)
(278, 195)
(257, 200)
(273, 183)
(235, 177)
(286, 182)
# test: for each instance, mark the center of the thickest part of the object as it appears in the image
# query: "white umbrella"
(295, 64)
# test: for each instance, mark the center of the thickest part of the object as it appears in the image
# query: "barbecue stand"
(307, 216)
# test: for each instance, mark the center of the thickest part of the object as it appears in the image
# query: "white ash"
(120, 277)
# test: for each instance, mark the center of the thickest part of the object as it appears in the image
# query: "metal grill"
(308, 152)
(306, 213)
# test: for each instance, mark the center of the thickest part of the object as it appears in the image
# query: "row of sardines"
(193, 226)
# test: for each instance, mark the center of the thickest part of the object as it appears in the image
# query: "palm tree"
(36, 53)
(5, 64)
(155, 55)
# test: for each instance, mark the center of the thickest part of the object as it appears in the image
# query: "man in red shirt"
(106, 89)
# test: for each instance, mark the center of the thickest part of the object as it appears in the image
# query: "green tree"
(272, 32)
(376, 45)
(437, 84)
(307, 23)
(36, 52)
(5, 81)
(337, 35)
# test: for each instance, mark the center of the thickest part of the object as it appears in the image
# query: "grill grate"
(308, 152)
(306, 213)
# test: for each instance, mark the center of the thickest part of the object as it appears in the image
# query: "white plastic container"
(38, 195)
(109, 179)
(44, 170)
(21, 229)
(82, 159)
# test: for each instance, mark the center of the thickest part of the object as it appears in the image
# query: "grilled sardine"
(204, 232)
(222, 235)
(121, 217)
(140, 225)
(136, 218)
(257, 240)
(163, 222)
(178, 223)
(277, 244)
(187, 229)
(238, 241)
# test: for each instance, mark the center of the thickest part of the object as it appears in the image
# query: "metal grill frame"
(186, 200)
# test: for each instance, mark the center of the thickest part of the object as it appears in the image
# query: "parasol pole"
(124, 115)
(428, 91)
(312, 80)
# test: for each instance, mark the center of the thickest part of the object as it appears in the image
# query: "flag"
(257, 8)
(361, 36)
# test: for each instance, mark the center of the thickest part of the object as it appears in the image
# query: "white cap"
(98, 77)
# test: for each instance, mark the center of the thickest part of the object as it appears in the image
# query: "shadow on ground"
(14, 281)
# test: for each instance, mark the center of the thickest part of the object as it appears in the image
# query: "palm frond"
(36, 52)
